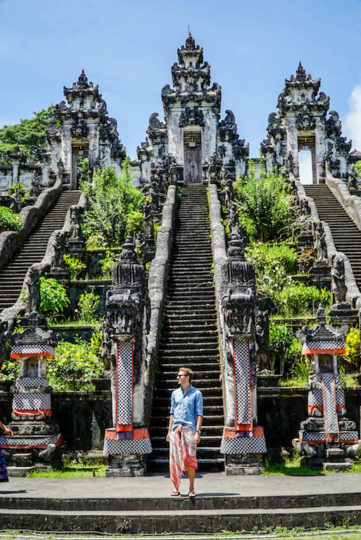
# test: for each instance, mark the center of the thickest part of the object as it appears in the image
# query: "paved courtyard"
(159, 486)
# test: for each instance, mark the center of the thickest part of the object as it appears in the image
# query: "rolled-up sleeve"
(199, 404)
(172, 404)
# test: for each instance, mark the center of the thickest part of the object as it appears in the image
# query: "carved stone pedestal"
(76, 248)
(342, 313)
(126, 467)
(267, 380)
(336, 460)
(321, 276)
(59, 274)
(243, 464)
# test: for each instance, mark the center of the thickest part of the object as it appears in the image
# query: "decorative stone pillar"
(128, 441)
(243, 441)
(327, 437)
(35, 436)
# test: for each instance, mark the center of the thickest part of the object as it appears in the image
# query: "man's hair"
(187, 371)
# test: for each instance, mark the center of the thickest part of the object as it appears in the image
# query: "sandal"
(175, 494)
(192, 495)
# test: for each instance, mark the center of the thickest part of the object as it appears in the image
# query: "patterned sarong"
(182, 452)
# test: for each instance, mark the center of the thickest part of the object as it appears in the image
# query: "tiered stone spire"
(191, 77)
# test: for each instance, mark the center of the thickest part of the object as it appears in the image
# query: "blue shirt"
(186, 407)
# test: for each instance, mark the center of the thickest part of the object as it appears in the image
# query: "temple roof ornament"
(81, 88)
(191, 78)
(323, 338)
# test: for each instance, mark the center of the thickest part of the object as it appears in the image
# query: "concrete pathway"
(209, 485)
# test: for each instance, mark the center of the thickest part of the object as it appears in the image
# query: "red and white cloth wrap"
(182, 452)
(124, 390)
(242, 387)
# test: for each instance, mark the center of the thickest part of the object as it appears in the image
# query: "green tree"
(112, 203)
(265, 204)
(29, 135)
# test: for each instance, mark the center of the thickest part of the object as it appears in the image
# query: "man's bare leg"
(191, 475)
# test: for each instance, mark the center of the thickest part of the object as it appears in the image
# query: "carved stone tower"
(192, 133)
(301, 123)
(82, 128)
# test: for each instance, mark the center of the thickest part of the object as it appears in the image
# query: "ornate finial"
(300, 73)
(128, 252)
(190, 42)
(321, 315)
(83, 79)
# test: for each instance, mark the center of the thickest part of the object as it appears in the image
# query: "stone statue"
(35, 188)
(339, 288)
(262, 340)
(233, 217)
(16, 200)
(59, 249)
(32, 282)
(75, 232)
(320, 243)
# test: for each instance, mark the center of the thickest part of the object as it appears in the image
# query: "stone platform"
(144, 505)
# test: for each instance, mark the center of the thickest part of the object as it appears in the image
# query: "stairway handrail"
(353, 294)
(350, 203)
(10, 241)
(218, 239)
(157, 283)
(9, 315)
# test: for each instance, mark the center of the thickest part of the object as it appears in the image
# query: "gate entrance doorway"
(192, 145)
(79, 150)
(307, 160)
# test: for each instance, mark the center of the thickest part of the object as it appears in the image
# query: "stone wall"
(84, 416)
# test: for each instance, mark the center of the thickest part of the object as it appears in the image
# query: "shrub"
(135, 222)
(358, 169)
(284, 345)
(8, 220)
(10, 370)
(88, 305)
(298, 299)
(74, 266)
(272, 263)
(352, 349)
(74, 366)
(265, 204)
(109, 261)
(112, 201)
(29, 135)
(53, 297)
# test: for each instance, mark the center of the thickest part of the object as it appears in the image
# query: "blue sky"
(128, 47)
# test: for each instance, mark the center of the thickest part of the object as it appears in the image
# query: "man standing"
(184, 432)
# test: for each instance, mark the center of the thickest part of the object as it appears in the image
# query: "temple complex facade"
(191, 137)
(183, 291)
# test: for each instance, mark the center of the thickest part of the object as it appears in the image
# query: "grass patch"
(96, 324)
(75, 471)
(289, 467)
(294, 382)
(300, 382)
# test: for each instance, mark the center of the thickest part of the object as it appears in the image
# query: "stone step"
(171, 381)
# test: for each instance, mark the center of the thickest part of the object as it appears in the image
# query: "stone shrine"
(36, 437)
(327, 436)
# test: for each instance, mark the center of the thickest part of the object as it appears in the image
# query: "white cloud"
(305, 163)
(353, 117)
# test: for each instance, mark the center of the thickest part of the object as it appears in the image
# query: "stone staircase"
(346, 235)
(33, 249)
(189, 334)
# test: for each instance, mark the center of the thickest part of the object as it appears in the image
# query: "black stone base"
(243, 464)
(126, 467)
